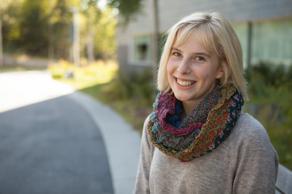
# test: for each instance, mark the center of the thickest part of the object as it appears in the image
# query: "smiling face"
(192, 71)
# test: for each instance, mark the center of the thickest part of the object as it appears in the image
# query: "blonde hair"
(217, 36)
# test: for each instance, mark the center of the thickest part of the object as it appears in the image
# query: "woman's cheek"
(170, 66)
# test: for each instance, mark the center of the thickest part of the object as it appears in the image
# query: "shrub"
(270, 93)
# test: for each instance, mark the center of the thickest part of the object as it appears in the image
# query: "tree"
(45, 27)
(129, 8)
(105, 42)
(3, 8)
(156, 36)
(59, 25)
(93, 14)
(1, 44)
(33, 27)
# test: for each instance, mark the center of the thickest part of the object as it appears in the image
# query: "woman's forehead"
(204, 39)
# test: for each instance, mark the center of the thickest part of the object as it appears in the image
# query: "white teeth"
(184, 83)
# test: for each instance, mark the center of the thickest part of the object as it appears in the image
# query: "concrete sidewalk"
(121, 141)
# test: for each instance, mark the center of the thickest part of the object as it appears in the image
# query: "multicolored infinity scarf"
(192, 136)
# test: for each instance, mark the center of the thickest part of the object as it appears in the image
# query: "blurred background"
(109, 49)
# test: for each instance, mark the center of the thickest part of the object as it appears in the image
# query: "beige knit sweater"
(245, 162)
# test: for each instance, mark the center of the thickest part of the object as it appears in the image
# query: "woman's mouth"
(184, 83)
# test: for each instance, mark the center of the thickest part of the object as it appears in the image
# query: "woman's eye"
(199, 58)
(176, 54)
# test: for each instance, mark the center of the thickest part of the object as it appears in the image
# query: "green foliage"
(270, 92)
(59, 26)
(44, 28)
(135, 86)
(99, 29)
(127, 8)
(270, 74)
(33, 27)
(9, 14)
(105, 41)
(131, 95)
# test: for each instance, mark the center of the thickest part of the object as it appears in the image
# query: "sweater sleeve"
(257, 164)
(146, 153)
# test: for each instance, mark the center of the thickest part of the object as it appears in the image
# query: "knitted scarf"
(192, 136)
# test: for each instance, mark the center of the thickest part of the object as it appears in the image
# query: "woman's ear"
(220, 71)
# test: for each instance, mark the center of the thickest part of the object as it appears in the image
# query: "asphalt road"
(49, 145)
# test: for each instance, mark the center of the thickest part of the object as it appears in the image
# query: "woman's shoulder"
(254, 156)
(148, 120)
(146, 139)
(250, 132)
(146, 125)
(248, 125)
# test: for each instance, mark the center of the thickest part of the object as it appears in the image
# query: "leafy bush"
(270, 74)
(131, 95)
(270, 93)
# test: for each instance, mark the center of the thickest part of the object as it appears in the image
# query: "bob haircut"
(217, 36)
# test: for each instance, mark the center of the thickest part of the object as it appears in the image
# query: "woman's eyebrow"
(176, 49)
(201, 53)
(195, 53)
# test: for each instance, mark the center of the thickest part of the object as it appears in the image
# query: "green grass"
(84, 76)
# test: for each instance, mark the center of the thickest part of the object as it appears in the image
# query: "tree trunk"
(1, 45)
(156, 51)
(51, 44)
(76, 49)
(249, 43)
(90, 44)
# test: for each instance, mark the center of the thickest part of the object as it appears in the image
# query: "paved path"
(122, 143)
(24, 88)
(55, 141)
(52, 147)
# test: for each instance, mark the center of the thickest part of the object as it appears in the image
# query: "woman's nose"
(183, 67)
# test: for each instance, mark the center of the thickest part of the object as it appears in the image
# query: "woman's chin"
(182, 97)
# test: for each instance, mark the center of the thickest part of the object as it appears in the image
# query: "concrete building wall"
(274, 17)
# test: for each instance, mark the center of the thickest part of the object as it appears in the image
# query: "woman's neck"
(189, 106)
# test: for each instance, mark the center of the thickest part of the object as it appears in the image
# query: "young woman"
(197, 139)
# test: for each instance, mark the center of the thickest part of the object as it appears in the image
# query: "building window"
(142, 50)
